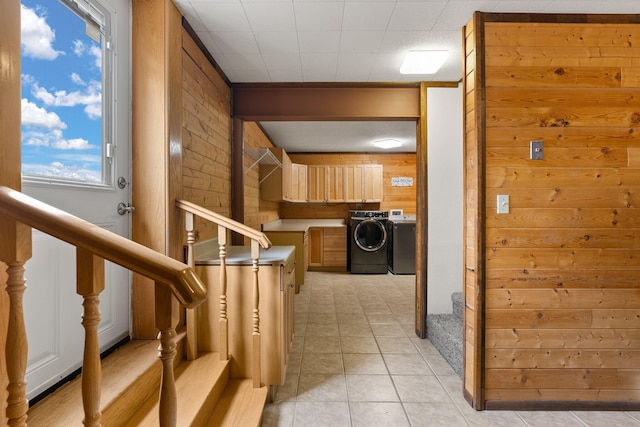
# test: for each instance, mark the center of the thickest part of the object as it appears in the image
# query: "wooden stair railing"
(175, 283)
(258, 239)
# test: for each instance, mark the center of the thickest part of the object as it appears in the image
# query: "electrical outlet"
(536, 149)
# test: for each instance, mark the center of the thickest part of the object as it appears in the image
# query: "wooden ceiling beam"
(309, 102)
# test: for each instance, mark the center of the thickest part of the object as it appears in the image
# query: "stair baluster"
(224, 321)
(16, 348)
(167, 318)
(89, 285)
(192, 318)
(255, 256)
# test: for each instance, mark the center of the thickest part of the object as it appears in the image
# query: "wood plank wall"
(562, 268)
(473, 249)
(206, 136)
(398, 164)
(256, 210)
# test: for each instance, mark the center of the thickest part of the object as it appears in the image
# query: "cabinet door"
(335, 184)
(372, 183)
(286, 178)
(334, 247)
(353, 175)
(317, 183)
(298, 182)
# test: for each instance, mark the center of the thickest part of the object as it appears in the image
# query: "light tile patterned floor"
(356, 361)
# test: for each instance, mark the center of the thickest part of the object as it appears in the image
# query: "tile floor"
(356, 361)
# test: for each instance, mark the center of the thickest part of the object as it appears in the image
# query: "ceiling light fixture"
(423, 61)
(387, 143)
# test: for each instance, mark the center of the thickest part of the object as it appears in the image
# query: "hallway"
(356, 361)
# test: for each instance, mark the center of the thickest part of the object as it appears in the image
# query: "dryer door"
(370, 235)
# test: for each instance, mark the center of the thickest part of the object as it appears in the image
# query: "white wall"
(445, 197)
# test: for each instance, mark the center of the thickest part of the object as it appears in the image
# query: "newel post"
(15, 250)
(224, 320)
(167, 318)
(89, 285)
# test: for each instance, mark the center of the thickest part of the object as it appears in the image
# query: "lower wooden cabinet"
(300, 240)
(276, 284)
(328, 248)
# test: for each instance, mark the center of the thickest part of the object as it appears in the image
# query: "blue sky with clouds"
(61, 94)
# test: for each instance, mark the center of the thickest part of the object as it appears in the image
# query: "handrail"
(228, 223)
(179, 277)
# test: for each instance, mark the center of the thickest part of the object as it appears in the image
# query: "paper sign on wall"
(401, 181)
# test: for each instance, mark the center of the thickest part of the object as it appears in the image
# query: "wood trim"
(326, 102)
(422, 220)
(181, 279)
(561, 18)
(480, 121)
(237, 177)
(560, 405)
(230, 224)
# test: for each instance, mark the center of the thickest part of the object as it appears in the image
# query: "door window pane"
(63, 114)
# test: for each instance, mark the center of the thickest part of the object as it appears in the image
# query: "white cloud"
(96, 52)
(78, 47)
(32, 115)
(60, 170)
(91, 97)
(75, 77)
(36, 35)
(93, 111)
(72, 144)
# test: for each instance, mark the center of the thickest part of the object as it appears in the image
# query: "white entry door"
(75, 147)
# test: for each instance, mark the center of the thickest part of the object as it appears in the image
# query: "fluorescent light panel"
(423, 61)
(387, 143)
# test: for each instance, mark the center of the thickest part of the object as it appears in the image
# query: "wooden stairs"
(207, 396)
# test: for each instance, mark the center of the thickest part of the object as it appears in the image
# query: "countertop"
(301, 224)
(206, 253)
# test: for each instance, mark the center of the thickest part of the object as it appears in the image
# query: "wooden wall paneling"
(207, 127)
(473, 83)
(561, 271)
(257, 211)
(149, 149)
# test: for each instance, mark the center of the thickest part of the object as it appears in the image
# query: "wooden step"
(240, 405)
(199, 384)
(129, 376)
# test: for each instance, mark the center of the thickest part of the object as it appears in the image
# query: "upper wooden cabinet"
(363, 183)
(285, 182)
(299, 182)
(295, 182)
(317, 183)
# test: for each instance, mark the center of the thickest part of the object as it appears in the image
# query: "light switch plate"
(536, 149)
(503, 204)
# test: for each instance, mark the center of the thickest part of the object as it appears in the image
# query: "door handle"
(124, 208)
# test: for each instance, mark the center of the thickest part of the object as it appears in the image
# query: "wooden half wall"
(553, 286)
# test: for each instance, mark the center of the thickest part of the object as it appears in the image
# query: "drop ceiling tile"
(319, 41)
(288, 75)
(270, 16)
(192, 17)
(457, 13)
(519, 6)
(208, 41)
(277, 41)
(235, 41)
(319, 15)
(354, 67)
(404, 41)
(251, 76)
(415, 16)
(319, 66)
(281, 60)
(222, 16)
(244, 61)
(367, 16)
(361, 41)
